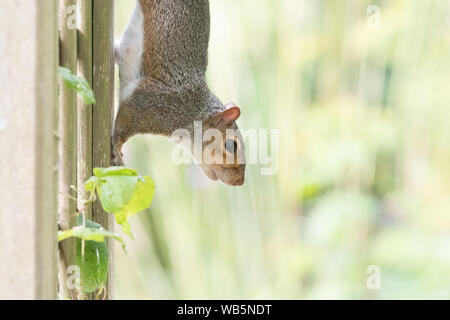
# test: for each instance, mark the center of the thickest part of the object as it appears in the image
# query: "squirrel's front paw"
(116, 154)
(117, 161)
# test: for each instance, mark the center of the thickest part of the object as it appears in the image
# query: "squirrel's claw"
(117, 161)
(116, 158)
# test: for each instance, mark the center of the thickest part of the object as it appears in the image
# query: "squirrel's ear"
(230, 105)
(231, 114)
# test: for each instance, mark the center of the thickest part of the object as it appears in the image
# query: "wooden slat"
(29, 87)
(68, 141)
(103, 85)
(84, 119)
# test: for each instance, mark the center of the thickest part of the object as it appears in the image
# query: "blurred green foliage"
(364, 160)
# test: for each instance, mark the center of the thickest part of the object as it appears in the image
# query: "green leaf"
(88, 223)
(122, 192)
(114, 171)
(91, 184)
(142, 197)
(87, 234)
(116, 192)
(122, 219)
(63, 235)
(94, 265)
(115, 187)
(95, 262)
(72, 81)
(91, 232)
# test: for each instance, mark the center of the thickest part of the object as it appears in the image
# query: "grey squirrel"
(162, 58)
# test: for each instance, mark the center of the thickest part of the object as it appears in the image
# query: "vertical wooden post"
(84, 171)
(103, 86)
(68, 140)
(28, 96)
(84, 110)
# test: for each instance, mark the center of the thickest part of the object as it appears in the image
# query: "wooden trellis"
(49, 145)
(85, 129)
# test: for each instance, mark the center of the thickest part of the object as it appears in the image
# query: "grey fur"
(173, 93)
(175, 58)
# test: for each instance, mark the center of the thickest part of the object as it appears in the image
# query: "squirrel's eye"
(231, 146)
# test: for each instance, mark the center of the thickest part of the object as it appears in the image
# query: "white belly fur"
(128, 52)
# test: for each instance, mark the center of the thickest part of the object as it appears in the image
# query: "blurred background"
(361, 100)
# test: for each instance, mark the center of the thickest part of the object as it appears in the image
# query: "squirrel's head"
(223, 147)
